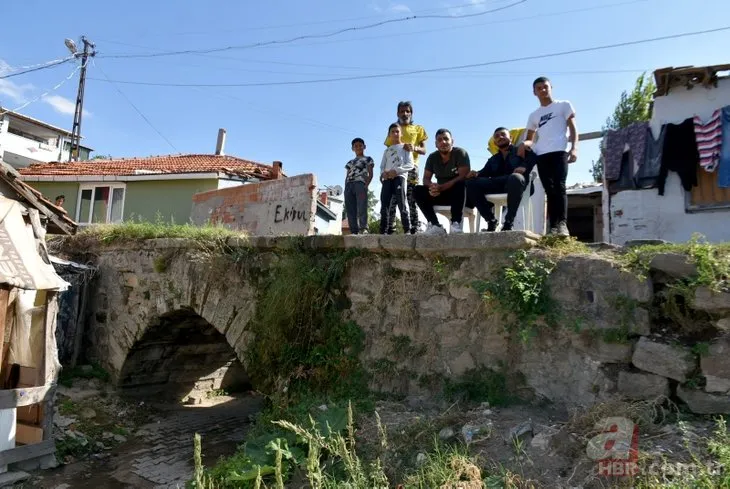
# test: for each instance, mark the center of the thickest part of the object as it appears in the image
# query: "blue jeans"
(723, 173)
(356, 205)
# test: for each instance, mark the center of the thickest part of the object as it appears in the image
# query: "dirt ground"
(135, 444)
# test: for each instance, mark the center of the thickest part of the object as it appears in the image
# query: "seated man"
(450, 165)
(505, 172)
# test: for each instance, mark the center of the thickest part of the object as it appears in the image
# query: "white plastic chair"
(470, 214)
(524, 220)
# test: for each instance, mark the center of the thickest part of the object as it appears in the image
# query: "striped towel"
(709, 140)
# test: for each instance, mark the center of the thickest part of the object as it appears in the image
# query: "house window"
(707, 195)
(99, 204)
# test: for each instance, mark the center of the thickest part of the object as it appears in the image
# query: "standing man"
(505, 172)
(450, 165)
(552, 122)
(414, 138)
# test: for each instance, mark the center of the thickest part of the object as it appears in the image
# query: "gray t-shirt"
(445, 171)
(357, 169)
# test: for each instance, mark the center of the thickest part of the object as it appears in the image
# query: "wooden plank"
(27, 434)
(707, 192)
(27, 452)
(28, 377)
(25, 396)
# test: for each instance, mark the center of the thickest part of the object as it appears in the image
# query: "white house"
(25, 141)
(328, 218)
(675, 216)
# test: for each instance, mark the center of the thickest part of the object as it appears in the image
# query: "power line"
(474, 4)
(44, 94)
(42, 66)
(410, 33)
(311, 36)
(476, 24)
(135, 108)
(429, 70)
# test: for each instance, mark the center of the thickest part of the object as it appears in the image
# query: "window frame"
(93, 187)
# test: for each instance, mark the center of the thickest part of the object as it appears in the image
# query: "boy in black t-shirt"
(359, 175)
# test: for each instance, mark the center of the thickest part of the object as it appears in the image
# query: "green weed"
(521, 294)
(479, 385)
(67, 376)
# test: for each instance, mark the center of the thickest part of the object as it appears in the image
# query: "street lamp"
(71, 45)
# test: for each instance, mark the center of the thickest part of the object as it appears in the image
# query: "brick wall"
(275, 207)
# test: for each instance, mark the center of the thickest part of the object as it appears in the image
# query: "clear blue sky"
(309, 127)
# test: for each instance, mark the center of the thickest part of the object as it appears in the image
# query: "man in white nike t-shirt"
(554, 125)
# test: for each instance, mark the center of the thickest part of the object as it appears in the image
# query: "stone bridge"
(166, 317)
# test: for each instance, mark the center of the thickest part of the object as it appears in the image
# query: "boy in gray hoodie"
(394, 168)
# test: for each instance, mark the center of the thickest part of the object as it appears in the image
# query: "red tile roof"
(171, 164)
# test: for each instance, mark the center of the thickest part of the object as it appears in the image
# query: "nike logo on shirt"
(545, 119)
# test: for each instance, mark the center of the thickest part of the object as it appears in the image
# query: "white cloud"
(62, 105)
(15, 92)
(392, 8)
(470, 7)
(399, 8)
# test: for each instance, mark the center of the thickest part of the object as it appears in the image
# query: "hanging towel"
(709, 140)
(680, 154)
(616, 141)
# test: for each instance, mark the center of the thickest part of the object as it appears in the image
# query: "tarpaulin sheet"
(21, 264)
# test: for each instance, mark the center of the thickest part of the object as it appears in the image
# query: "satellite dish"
(71, 45)
(336, 190)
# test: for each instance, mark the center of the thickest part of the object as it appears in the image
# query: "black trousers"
(412, 209)
(513, 185)
(453, 197)
(553, 171)
(395, 189)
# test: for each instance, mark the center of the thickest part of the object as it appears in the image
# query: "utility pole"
(89, 51)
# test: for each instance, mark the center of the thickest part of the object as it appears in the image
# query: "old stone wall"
(272, 208)
(424, 322)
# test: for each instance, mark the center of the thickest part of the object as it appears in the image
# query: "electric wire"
(39, 67)
(44, 94)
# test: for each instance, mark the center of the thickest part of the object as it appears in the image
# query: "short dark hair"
(443, 131)
(500, 128)
(60, 197)
(542, 79)
(405, 103)
(390, 127)
(357, 140)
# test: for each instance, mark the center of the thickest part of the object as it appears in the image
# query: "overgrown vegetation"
(479, 385)
(697, 472)
(130, 231)
(562, 245)
(329, 458)
(94, 371)
(712, 263)
(521, 294)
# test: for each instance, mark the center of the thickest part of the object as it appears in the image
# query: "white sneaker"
(434, 230)
(456, 228)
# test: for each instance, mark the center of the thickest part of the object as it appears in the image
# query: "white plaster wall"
(644, 214)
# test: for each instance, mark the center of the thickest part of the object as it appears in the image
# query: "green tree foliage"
(633, 106)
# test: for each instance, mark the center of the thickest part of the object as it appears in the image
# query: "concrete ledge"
(458, 244)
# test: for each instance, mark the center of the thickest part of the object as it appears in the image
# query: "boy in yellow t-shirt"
(414, 138)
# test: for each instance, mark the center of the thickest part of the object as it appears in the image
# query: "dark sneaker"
(492, 225)
(562, 229)
(507, 226)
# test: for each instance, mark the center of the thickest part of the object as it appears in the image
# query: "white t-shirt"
(551, 125)
(398, 159)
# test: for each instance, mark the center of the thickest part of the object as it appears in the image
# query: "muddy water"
(160, 454)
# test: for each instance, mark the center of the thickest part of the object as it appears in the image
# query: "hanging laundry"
(648, 173)
(680, 154)
(709, 139)
(723, 173)
(616, 141)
